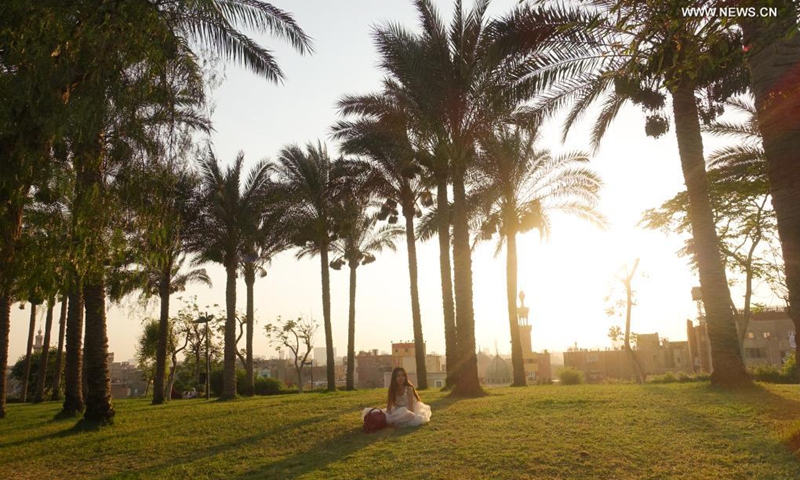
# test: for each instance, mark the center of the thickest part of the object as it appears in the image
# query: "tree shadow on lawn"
(776, 407)
(336, 449)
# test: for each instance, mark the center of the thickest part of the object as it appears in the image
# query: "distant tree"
(361, 238)
(309, 184)
(229, 211)
(296, 335)
(518, 188)
(625, 277)
(18, 371)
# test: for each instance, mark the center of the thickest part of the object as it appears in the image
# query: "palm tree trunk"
(773, 57)
(62, 325)
(446, 275)
(229, 372)
(728, 369)
(73, 361)
(159, 393)
(351, 330)
(250, 280)
(5, 328)
(467, 384)
(326, 316)
(40, 376)
(416, 315)
(511, 295)
(11, 231)
(28, 351)
(99, 408)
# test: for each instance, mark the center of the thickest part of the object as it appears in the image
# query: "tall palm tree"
(675, 54)
(520, 188)
(229, 210)
(395, 179)
(308, 187)
(463, 83)
(773, 53)
(360, 239)
(266, 241)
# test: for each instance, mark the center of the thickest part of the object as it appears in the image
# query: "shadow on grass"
(320, 455)
(774, 406)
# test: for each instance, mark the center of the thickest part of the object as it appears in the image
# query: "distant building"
(699, 346)
(536, 365)
(370, 369)
(321, 356)
(770, 338)
(497, 372)
(126, 379)
(404, 355)
(657, 356)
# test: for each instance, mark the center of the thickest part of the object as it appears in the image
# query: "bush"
(772, 374)
(570, 376)
(268, 386)
(680, 377)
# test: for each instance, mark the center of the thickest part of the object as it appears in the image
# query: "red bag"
(374, 420)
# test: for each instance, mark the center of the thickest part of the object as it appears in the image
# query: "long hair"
(393, 386)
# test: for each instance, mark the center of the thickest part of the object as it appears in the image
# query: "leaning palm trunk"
(416, 316)
(99, 408)
(5, 327)
(351, 330)
(467, 370)
(48, 325)
(23, 397)
(159, 393)
(775, 78)
(73, 362)
(445, 272)
(229, 369)
(728, 369)
(326, 317)
(62, 326)
(249, 379)
(511, 294)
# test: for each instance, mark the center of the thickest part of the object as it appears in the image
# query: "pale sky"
(565, 279)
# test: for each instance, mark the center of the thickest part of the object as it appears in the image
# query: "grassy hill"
(604, 431)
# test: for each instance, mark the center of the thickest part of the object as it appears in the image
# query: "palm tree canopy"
(515, 182)
(230, 210)
(218, 25)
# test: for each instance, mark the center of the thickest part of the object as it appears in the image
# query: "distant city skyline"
(566, 278)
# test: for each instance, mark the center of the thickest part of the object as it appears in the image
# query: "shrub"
(680, 377)
(268, 386)
(772, 374)
(570, 376)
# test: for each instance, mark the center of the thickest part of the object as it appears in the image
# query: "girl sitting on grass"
(404, 408)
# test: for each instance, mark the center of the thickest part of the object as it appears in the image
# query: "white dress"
(406, 412)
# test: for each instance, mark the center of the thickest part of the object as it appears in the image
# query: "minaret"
(39, 342)
(524, 326)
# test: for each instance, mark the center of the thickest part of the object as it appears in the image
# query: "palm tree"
(308, 186)
(359, 241)
(597, 63)
(520, 188)
(395, 178)
(773, 53)
(463, 83)
(260, 248)
(62, 328)
(228, 213)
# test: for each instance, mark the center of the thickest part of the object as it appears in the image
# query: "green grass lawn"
(588, 431)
